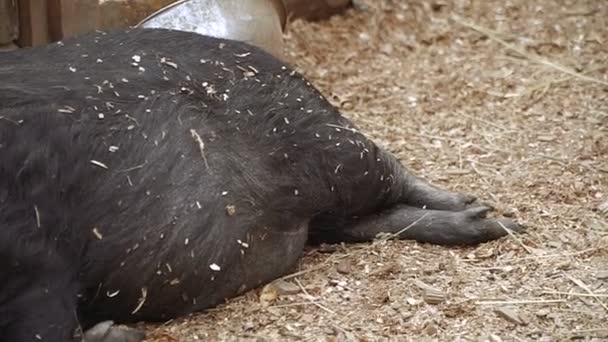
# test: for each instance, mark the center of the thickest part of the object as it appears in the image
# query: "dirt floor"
(507, 100)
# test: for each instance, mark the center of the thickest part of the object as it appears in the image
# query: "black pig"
(147, 174)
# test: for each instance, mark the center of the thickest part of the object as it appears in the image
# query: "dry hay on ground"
(506, 101)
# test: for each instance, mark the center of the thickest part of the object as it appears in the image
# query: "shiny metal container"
(258, 22)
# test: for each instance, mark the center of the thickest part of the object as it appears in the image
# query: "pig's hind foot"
(421, 194)
(466, 227)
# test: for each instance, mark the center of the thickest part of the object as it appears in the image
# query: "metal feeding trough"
(257, 22)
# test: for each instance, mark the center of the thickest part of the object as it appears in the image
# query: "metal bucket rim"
(278, 4)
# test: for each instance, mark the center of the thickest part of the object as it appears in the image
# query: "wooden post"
(44, 21)
(33, 24)
(55, 17)
(9, 29)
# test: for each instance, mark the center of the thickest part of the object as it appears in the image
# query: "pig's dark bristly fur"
(147, 174)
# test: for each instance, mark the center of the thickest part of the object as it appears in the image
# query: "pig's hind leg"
(421, 194)
(466, 227)
(417, 211)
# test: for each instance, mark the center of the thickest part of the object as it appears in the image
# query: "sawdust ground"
(503, 114)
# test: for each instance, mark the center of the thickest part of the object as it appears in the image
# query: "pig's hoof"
(511, 225)
(461, 202)
(468, 199)
(489, 228)
(478, 212)
(108, 332)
